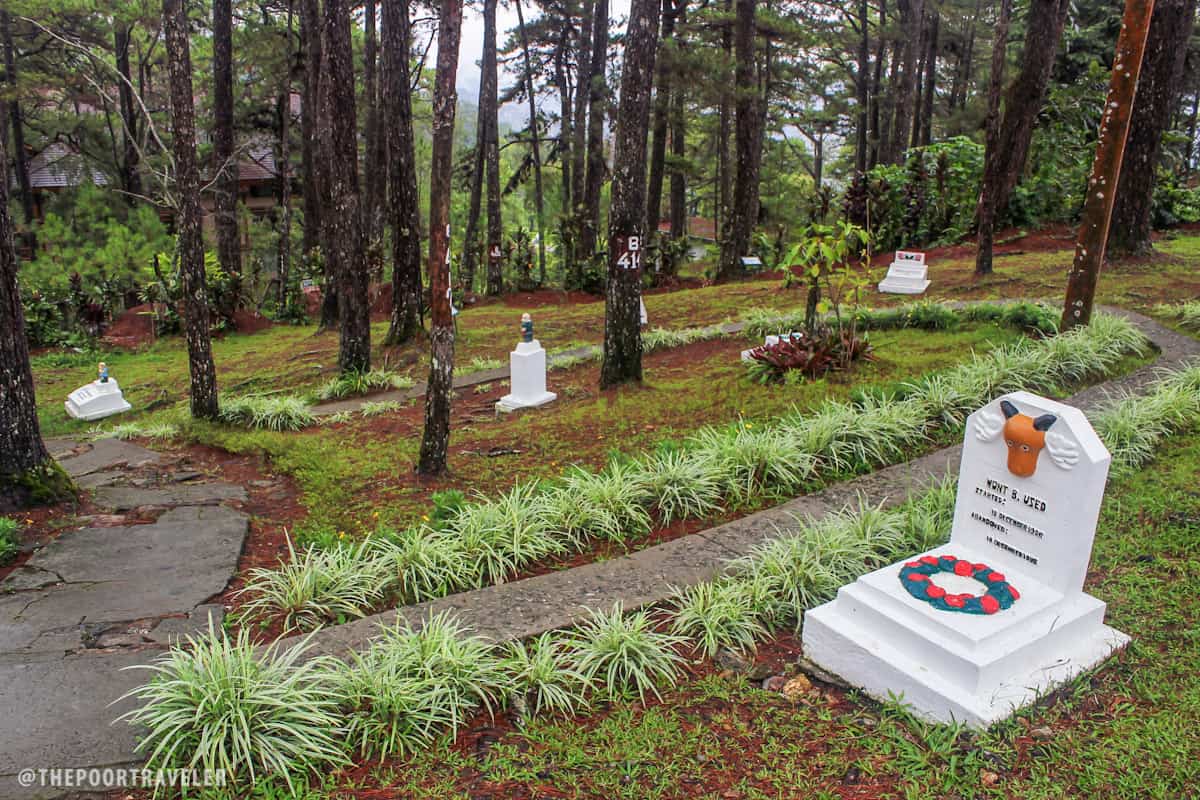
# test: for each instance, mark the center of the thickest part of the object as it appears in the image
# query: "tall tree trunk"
(662, 104)
(189, 242)
(1157, 92)
(375, 165)
(597, 103)
(1106, 168)
(470, 255)
(310, 39)
(678, 153)
(626, 234)
(535, 147)
(565, 146)
(25, 465)
(928, 95)
(1004, 163)
(284, 168)
(435, 440)
(911, 15)
(724, 188)
(403, 202)
(17, 120)
(962, 70)
(225, 185)
(919, 91)
(579, 151)
(862, 86)
(131, 178)
(743, 212)
(1189, 149)
(986, 208)
(345, 211)
(490, 92)
(877, 135)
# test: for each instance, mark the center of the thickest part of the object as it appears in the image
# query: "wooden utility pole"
(1106, 168)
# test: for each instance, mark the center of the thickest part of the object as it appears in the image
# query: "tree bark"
(678, 153)
(1003, 163)
(741, 214)
(490, 91)
(862, 86)
(928, 95)
(17, 120)
(403, 201)
(284, 167)
(435, 440)
(22, 452)
(566, 135)
(225, 184)
(911, 15)
(344, 214)
(877, 96)
(131, 179)
(583, 93)
(724, 187)
(375, 164)
(470, 255)
(1157, 91)
(535, 148)
(310, 38)
(626, 234)
(1106, 168)
(596, 168)
(190, 244)
(662, 104)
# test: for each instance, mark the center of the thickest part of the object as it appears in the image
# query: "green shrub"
(319, 586)
(375, 408)
(753, 461)
(621, 652)
(137, 430)
(10, 540)
(273, 412)
(498, 537)
(610, 504)
(1186, 314)
(717, 615)
(420, 564)
(222, 704)
(350, 384)
(542, 677)
(683, 487)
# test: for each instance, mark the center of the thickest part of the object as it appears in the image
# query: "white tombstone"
(642, 317)
(96, 400)
(527, 375)
(1029, 492)
(906, 275)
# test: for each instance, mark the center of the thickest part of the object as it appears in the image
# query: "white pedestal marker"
(527, 371)
(1029, 492)
(906, 275)
(96, 400)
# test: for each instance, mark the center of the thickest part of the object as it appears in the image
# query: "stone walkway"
(105, 597)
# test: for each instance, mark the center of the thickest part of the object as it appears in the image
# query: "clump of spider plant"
(622, 653)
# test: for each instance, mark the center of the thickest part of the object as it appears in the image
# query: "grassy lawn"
(1130, 730)
(350, 471)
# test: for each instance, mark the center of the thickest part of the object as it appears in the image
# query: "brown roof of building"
(57, 166)
(697, 228)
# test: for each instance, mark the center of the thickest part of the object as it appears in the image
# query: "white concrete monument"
(527, 373)
(99, 399)
(906, 275)
(974, 630)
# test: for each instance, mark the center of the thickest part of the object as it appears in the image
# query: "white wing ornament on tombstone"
(988, 425)
(1063, 452)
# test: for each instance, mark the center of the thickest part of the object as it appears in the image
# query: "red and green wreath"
(917, 577)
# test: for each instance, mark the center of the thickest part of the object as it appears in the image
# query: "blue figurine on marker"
(103, 372)
(526, 328)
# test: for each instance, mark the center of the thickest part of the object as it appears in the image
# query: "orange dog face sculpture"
(1025, 437)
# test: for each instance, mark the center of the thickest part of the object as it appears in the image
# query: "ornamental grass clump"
(272, 413)
(350, 384)
(753, 461)
(609, 504)
(542, 677)
(683, 486)
(461, 673)
(1133, 426)
(219, 703)
(717, 615)
(620, 653)
(319, 586)
(137, 430)
(421, 564)
(498, 537)
(387, 710)
(10, 542)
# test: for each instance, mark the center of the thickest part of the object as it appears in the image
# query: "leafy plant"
(621, 652)
(809, 354)
(319, 586)
(10, 542)
(610, 504)
(137, 430)
(752, 461)
(273, 413)
(375, 408)
(683, 487)
(350, 384)
(223, 704)
(717, 615)
(543, 675)
(420, 564)
(498, 537)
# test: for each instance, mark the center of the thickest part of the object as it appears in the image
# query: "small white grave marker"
(906, 275)
(99, 399)
(527, 373)
(1029, 492)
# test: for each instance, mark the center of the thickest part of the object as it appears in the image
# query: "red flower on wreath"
(917, 577)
